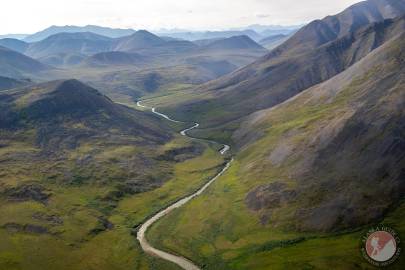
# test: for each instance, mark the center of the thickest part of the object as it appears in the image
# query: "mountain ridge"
(266, 77)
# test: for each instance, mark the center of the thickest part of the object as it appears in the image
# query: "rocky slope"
(314, 54)
(341, 142)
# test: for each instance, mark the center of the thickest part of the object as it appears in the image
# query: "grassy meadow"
(82, 225)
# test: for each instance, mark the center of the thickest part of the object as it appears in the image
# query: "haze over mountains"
(103, 31)
(17, 65)
(315, 53)
(315, 121)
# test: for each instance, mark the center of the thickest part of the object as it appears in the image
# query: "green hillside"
(281, 205)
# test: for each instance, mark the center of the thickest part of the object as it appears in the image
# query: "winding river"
(179, 260)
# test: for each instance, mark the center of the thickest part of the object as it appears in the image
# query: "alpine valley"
(267, 147)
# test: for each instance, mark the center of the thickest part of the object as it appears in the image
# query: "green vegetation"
(73, 188)
(75, 238)
(220, 231)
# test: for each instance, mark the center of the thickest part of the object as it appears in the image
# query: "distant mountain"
(8, 83)
(140, 40)
(14, 36)
(273, 41)
(14, 44)
(262, 27)
(315, 53)
(79, 43)
(235, 42)
(271, 30)
(114, 59)
(103, 31)
(213, 34)
(16, 65)
(148, 44)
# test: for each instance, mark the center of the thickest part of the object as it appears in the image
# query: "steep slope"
(79, 43)
(351, 19)
(103, 31)
(16, 65)
(14, 44)
(342, 142)
(295, 65)
(329, 160)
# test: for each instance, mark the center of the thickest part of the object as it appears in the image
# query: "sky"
(29, 16)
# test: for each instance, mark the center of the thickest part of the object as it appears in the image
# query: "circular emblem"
(380, 246)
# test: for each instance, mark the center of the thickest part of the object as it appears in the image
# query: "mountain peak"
(235, 42)
(139, 40)
(62, 98)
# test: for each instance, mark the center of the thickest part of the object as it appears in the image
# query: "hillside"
(295, 65)
(308, 174)
(16, 65)
(79, 172)
(72, 100)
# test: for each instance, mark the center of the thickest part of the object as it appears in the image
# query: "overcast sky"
(28, 16)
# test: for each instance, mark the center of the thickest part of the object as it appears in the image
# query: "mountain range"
(103, 31)
(313, 117)
(315, 168)
(315, 53)
(16, 65)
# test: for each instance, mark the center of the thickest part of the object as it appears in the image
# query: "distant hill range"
(65, 49)
(104, 31)
(84, 43)
(16, 65)
(315, 53)
(16, 36)
(255, 32)
(212, 34)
